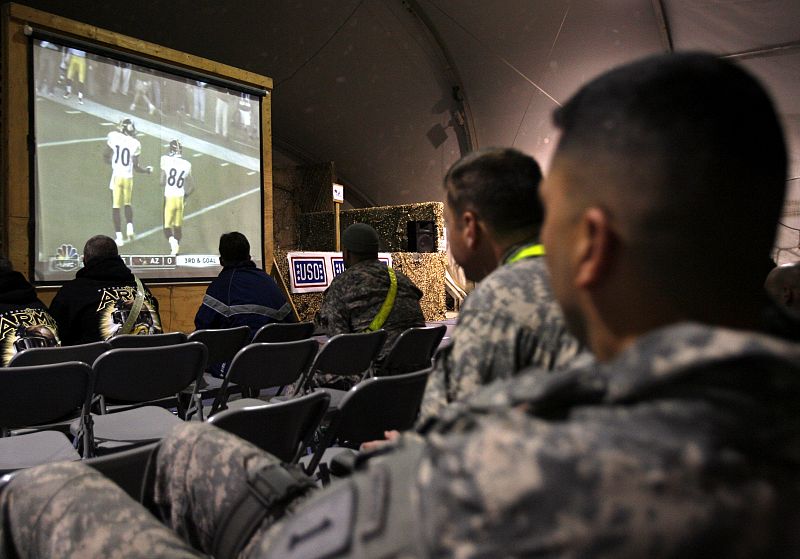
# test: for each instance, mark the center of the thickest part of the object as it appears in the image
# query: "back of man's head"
(361, 242)
(98, 247)
(686, 156)
(233, 247)
(500, 185)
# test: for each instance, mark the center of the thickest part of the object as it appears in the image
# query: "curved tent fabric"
(394, 91)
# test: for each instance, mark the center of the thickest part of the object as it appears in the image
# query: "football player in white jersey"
(123, 154)
(176, 178)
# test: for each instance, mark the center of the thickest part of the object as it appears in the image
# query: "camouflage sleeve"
(435, 398)
(200, 472)
(621, 486)
(334, 314)
(483, 347)
(69, 510)
(509, 322)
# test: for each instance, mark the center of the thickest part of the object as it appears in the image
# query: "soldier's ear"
(595, 248)
(471, 229)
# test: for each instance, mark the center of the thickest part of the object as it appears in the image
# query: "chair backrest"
(43, 393)
(412, 350)
(283, 429)
(153, 340)
(347, 354)
(85, 353)
(222, 344)
(259, 366)
(148, 373)
(284, 332)
(380, 404)
(372, 407)
(264, 365)
(126, 468)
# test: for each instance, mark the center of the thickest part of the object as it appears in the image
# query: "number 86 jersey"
(176, 172)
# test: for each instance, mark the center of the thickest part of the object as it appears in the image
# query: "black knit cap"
(360, 238)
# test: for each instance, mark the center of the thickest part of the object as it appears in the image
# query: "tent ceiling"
(369, 84)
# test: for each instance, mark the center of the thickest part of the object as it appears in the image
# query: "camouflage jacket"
(355, 297)
(687, 445)
(509, 322)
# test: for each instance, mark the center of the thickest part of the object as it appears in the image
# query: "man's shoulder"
(513, 288)
(356, 275)
(519, 274)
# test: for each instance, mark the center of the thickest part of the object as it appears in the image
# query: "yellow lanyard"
(528, 251)
(387, 306)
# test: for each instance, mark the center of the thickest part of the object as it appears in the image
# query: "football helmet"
(122, 309)
(127, 127)
(175, 148)
(33, 336)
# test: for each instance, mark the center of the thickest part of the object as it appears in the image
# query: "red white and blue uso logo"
(311, 272)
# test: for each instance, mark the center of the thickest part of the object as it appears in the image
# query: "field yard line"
(162, 132)
(219, 204)
(69, 142)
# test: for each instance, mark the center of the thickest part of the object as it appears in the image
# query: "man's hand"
(391, 436)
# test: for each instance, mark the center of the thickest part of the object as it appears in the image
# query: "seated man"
(242, 294)
(354, 302)
(680, 441)
(24, 319)
(99, 303)
(510, 320)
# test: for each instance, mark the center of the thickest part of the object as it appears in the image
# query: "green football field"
(75, 202)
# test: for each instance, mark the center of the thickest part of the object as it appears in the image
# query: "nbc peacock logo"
(67, 258)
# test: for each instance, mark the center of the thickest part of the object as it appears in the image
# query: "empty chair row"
(32, 396)
(222, 344)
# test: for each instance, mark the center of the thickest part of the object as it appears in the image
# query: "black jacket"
(94, 305)
(24, 320)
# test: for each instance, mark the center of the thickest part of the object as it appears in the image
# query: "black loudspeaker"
(422, 236)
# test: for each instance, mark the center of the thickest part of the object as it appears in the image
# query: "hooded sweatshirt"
(94, 305)
(24, 320)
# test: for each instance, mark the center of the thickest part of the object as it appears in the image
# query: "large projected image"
(161, 163)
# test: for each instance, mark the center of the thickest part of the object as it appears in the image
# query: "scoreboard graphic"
(68, 260)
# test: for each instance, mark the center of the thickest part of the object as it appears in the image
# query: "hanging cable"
(549, 54)
(501, 58)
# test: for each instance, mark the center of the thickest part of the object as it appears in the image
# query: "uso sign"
(311, 272)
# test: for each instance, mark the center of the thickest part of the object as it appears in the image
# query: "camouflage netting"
(426, 270)
(391, 223)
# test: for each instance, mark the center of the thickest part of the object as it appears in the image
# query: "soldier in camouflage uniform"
(511, 320)
(355, 298)
(682, 440)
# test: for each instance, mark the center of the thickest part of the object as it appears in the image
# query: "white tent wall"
(394, 91)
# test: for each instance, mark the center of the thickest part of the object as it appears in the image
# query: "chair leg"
(87, 426)
(198, 398)
(324, 474)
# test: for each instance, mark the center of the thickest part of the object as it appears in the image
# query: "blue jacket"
(242, 295)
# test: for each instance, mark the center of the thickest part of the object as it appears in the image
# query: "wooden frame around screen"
(14, 132)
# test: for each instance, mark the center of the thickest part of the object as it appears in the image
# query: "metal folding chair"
(284, 332)
(283, 429)
(85, 353)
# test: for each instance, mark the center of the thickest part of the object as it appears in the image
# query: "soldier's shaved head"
(99, 246)
(684, 158)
